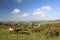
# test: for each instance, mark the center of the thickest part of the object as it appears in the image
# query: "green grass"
(5, 35)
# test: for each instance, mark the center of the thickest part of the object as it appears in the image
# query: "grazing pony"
(14, 30)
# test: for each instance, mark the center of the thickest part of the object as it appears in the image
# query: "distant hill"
(35, 22)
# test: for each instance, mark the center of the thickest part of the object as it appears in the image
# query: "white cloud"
(58, 14)
(39, 12)
(25, 15)
(15, 15)
(15, 11)
(46, 8)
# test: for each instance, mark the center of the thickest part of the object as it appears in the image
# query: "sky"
(28, 10)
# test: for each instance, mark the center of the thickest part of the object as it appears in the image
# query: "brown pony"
(12, 29)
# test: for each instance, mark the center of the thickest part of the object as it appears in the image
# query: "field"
(38, 34)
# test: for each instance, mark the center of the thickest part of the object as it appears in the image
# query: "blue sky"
(23, 10)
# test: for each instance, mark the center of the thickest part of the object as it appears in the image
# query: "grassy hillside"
(46, 31)
(5, 35)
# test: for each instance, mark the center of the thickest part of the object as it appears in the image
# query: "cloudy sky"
(23, 10)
